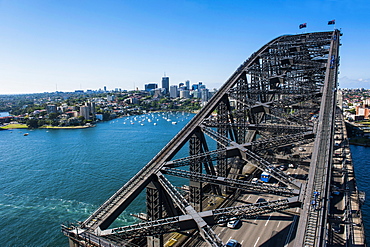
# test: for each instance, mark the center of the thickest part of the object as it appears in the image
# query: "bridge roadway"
(274, 229)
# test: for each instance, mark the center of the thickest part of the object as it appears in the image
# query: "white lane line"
(241, 243)
(256, 242)
(268, 220)
(278, 224)
(248, 197)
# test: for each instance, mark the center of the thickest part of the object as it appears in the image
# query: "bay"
(55, 176)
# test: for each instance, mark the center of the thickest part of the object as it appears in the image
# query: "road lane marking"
(268, 220)
(278, 224)
(256, 242)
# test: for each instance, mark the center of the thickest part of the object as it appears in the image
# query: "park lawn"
(14, 126)
(63, 127)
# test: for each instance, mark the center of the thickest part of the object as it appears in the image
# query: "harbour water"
(50, 177)
(360, 157)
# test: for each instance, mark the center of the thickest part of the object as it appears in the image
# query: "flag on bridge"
(304, 25)
(332, 22)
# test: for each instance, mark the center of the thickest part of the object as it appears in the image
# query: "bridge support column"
(241, 117)
(155, 241)
(195, 187)
(73, 243)
(222, 117)
(154, 210)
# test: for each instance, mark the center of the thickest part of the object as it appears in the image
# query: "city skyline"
(55, 46)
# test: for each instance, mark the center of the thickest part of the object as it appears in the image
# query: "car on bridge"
(260, 200)
(232, 243)
(234, 223)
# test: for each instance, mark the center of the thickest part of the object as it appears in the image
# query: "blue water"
(56, 176)
(360, 157)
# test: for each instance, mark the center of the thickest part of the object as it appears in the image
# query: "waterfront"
(53, 176)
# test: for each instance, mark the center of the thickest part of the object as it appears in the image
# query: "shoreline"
(24, 126)
(359, 144)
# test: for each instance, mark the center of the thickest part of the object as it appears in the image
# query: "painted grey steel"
(266, 107)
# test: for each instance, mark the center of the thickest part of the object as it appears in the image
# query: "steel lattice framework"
(264, 107)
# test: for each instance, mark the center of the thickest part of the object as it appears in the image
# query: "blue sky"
(67, 45)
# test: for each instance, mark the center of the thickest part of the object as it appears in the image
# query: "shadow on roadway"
(279, 238)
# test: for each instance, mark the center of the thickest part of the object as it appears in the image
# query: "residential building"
(85, 112)
(51, 109)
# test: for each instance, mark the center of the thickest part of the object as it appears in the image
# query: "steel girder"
(276, 88)
(229, 182)
(185, 222)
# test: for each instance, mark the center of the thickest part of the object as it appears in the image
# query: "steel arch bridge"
(282, 96)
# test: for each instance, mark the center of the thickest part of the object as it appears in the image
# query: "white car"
(233, 223)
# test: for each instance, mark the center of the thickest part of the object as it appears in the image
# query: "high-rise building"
(185, 94)
(85, 112)
(173, 91)
(187, 84)
(204, 94)
(150, 86)
(166, 83)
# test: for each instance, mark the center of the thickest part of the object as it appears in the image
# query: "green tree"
(32, 123)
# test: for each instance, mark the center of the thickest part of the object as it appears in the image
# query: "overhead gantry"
(266, 107)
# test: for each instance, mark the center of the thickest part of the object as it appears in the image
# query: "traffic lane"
(260, 230)
(267, 230)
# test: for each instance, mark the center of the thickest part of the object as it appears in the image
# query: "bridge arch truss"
(283, 95)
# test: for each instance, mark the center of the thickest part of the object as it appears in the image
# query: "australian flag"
(304, 25)
(332, 22)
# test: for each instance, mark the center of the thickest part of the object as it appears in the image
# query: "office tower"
(204, 94)
(187, 84)
(150, 86)
(173, 91)
(166, 83)
(185, 94)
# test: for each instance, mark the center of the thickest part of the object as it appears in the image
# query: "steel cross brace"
(229, 182)
(207, 233)
(268, 167)
(186, 222)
